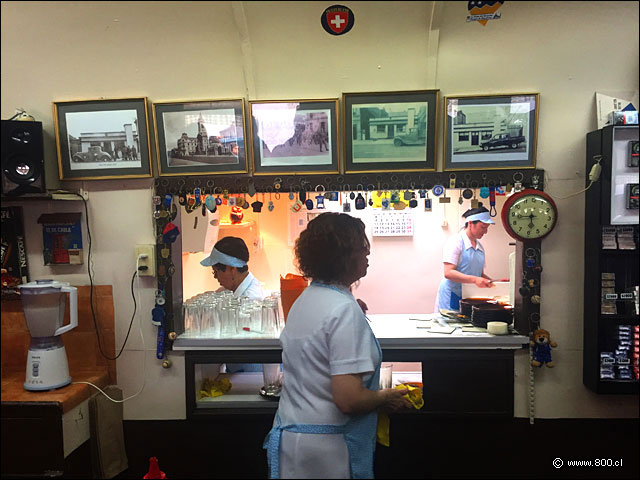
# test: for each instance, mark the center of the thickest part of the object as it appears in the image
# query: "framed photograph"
(200, 137)
(294, 136)
(102, 139)
(390, 131)
(491, 132)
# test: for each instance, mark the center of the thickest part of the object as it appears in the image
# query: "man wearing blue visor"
(228, 259)
(464, 260)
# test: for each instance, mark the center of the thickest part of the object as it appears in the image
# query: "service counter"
(463, 372)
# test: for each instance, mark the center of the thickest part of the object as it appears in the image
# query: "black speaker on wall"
(22, 158)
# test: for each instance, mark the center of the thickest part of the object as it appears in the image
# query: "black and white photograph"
(490, 131)
(392, 131)
(96, 139)
(200, 137)
(102, 139)
(295, 136)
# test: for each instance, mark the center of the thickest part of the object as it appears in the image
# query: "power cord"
(594, 176)
(144, 347)
(93, 314)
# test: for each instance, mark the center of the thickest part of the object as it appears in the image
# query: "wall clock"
(529, 215)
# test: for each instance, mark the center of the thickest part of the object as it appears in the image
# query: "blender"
(44, 302)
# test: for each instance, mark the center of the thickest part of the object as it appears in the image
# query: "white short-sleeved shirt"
(249, 287)
(453, 249)
(326, 334)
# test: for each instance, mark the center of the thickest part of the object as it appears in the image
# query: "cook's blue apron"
(359, 432)
(450, 292)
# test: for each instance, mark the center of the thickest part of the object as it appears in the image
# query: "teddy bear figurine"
(542, 345)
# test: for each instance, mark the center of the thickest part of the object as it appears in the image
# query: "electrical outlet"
(149, 260)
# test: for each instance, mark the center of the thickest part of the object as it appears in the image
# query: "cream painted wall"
(277, 50)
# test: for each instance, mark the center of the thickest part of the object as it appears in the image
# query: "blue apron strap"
(274, 437)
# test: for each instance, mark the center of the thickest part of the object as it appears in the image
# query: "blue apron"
(450, 292)
(359, 432)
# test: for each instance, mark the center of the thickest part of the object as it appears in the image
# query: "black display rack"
(604, 314)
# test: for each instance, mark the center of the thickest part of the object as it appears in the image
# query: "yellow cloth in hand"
(214, 388)
(414, 395)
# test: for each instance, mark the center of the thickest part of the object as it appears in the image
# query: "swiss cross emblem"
(337, 19)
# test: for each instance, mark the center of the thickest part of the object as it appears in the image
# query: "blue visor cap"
(218, 257)
(484, 217)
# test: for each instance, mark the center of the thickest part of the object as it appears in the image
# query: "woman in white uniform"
(464, 260)
(325, 426)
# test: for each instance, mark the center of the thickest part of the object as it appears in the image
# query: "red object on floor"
(154, 469)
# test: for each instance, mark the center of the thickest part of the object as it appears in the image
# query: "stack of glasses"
(221, 315)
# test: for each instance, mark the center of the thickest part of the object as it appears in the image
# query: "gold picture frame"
(200, 137)
(294, 136)
(390, 131)
(102, 139)
(490, 132)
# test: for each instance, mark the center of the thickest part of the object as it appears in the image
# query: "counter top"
(69, 396)
(398, 331)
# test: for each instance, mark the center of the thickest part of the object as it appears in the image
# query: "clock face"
(531, 216)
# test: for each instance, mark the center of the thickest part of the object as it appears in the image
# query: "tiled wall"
(81, 342)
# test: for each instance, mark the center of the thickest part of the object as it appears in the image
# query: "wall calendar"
(393, 224)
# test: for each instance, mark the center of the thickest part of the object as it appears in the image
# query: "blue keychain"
(437, 190)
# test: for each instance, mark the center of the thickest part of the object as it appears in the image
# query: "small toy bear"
(542, 345)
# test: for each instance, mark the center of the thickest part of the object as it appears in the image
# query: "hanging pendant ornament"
(231, 201)
(385, 203)
(423, 193)
(211, 203)
(182, 199)
(413, 203)
(320, 197)
(270, 205)
(474, 200)
(467, 193)
(517, 181)
(204, 209)
(484, 192)
(291, 196)
(437, 190)
(492, 202)
(156, 200)
(460, 199)
(500, 190)
(360, 202)
(196, 196)
(168, 199)
(400, 205)
(352, 195)
(427, 204)
(251, 189)
(407, 195)
(452, 180)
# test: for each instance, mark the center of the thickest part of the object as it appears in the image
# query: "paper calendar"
(392, 224)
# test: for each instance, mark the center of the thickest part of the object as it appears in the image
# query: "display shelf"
(244, 393)
(605, 216)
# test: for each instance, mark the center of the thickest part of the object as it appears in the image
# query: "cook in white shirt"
(228, 259)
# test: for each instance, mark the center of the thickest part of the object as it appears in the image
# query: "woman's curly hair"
(325, 248)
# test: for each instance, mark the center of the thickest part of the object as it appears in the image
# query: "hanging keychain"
(484, 191)
(474, 200)
(346, 206)
(427, 202)
(492, 201)
(320, 197)
(270, 205)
